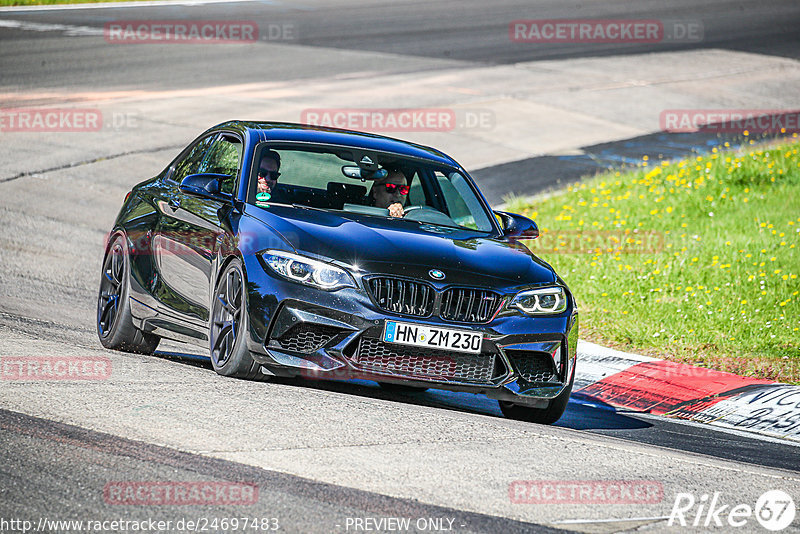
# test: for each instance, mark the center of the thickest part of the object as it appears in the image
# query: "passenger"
(390, 192)
(268, 174)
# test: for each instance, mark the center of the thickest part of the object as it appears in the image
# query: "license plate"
(432, 337)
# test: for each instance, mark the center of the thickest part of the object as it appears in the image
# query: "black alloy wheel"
(115, 326)
(229, 325)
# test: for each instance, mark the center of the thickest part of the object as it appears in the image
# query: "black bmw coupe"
(290, 250)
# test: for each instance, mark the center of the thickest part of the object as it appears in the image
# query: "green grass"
(53, 2)
(707, 264)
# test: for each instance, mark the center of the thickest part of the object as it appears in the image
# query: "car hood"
(396, 246)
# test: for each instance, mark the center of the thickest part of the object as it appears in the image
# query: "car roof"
(303, 133)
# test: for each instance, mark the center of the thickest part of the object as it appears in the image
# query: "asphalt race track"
(339, 457)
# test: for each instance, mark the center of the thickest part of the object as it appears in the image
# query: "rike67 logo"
(774, 510)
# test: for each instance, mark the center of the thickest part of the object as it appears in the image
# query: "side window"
(190, 164)
(223, 158)
(455, 203)
(463, 205)
(416, 196)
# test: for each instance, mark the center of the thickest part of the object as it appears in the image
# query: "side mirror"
(206, 185)
(517, 226)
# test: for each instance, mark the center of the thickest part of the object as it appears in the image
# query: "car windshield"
(366, 183)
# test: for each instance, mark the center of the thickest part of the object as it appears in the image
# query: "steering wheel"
(413, 208)
(427, 214)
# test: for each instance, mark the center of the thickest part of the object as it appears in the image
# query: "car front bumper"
(299, 331)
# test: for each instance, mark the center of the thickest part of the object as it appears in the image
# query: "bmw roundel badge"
(436, 274)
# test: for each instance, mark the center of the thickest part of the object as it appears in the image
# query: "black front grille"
(409, 297)
(533, 366)
(469, 305)
(424, 364)
(306, 337)
(401, 296)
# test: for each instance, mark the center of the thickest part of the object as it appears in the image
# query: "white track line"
(119, 5)
(609, 520)
(69, 30)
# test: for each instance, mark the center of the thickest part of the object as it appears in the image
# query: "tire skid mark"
(89, 162)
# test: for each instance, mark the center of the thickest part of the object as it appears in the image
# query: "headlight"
(544, 301)
(307, 271)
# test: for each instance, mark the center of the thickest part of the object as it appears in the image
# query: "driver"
(268, 173)
(390, 192)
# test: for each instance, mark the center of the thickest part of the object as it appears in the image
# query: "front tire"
(114, 320)
(229, 326)
(543, 416)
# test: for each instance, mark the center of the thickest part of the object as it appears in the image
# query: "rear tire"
(229, 326)
(114, 320)
(544, 416)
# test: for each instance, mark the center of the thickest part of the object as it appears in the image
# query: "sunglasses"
(402, 189)
(270, 175)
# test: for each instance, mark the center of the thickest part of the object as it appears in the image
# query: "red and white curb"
(643, 384)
